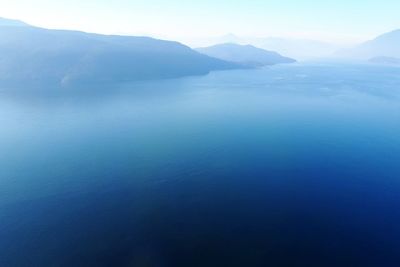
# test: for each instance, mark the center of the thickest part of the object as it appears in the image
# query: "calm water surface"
(288, 166)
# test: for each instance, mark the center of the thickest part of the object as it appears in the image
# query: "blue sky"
(340, 20)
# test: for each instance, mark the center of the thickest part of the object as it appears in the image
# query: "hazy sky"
(337, 20)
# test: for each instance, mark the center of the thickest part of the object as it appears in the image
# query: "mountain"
(300, 49)
(41, 56)
(385, 45)
(247, 55)
(12, 22)
(229, 38)
(385, 60)
(297, 48)
(213, 40)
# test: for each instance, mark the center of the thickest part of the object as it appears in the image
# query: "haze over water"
(283, 166)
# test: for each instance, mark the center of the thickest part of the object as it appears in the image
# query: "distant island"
(32, 55)
(246, 55)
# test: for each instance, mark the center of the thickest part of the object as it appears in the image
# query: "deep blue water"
(287, 166)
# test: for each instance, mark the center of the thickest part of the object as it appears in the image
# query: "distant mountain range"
(385, 45)
(298, 49)
(301, 49)
(246, 55)
(30, 55)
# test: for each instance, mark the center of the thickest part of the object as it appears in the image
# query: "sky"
(340, 21)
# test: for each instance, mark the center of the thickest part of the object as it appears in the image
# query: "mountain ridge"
(247, 55)
(12, 22)
(298, 48)
(384, 45)
(30, 55)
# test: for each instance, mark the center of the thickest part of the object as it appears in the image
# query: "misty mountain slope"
(12, 22)
(36, 55)
(385, 45)
(245, 54)
(297, 48)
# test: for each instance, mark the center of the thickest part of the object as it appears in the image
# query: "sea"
(284, 166)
